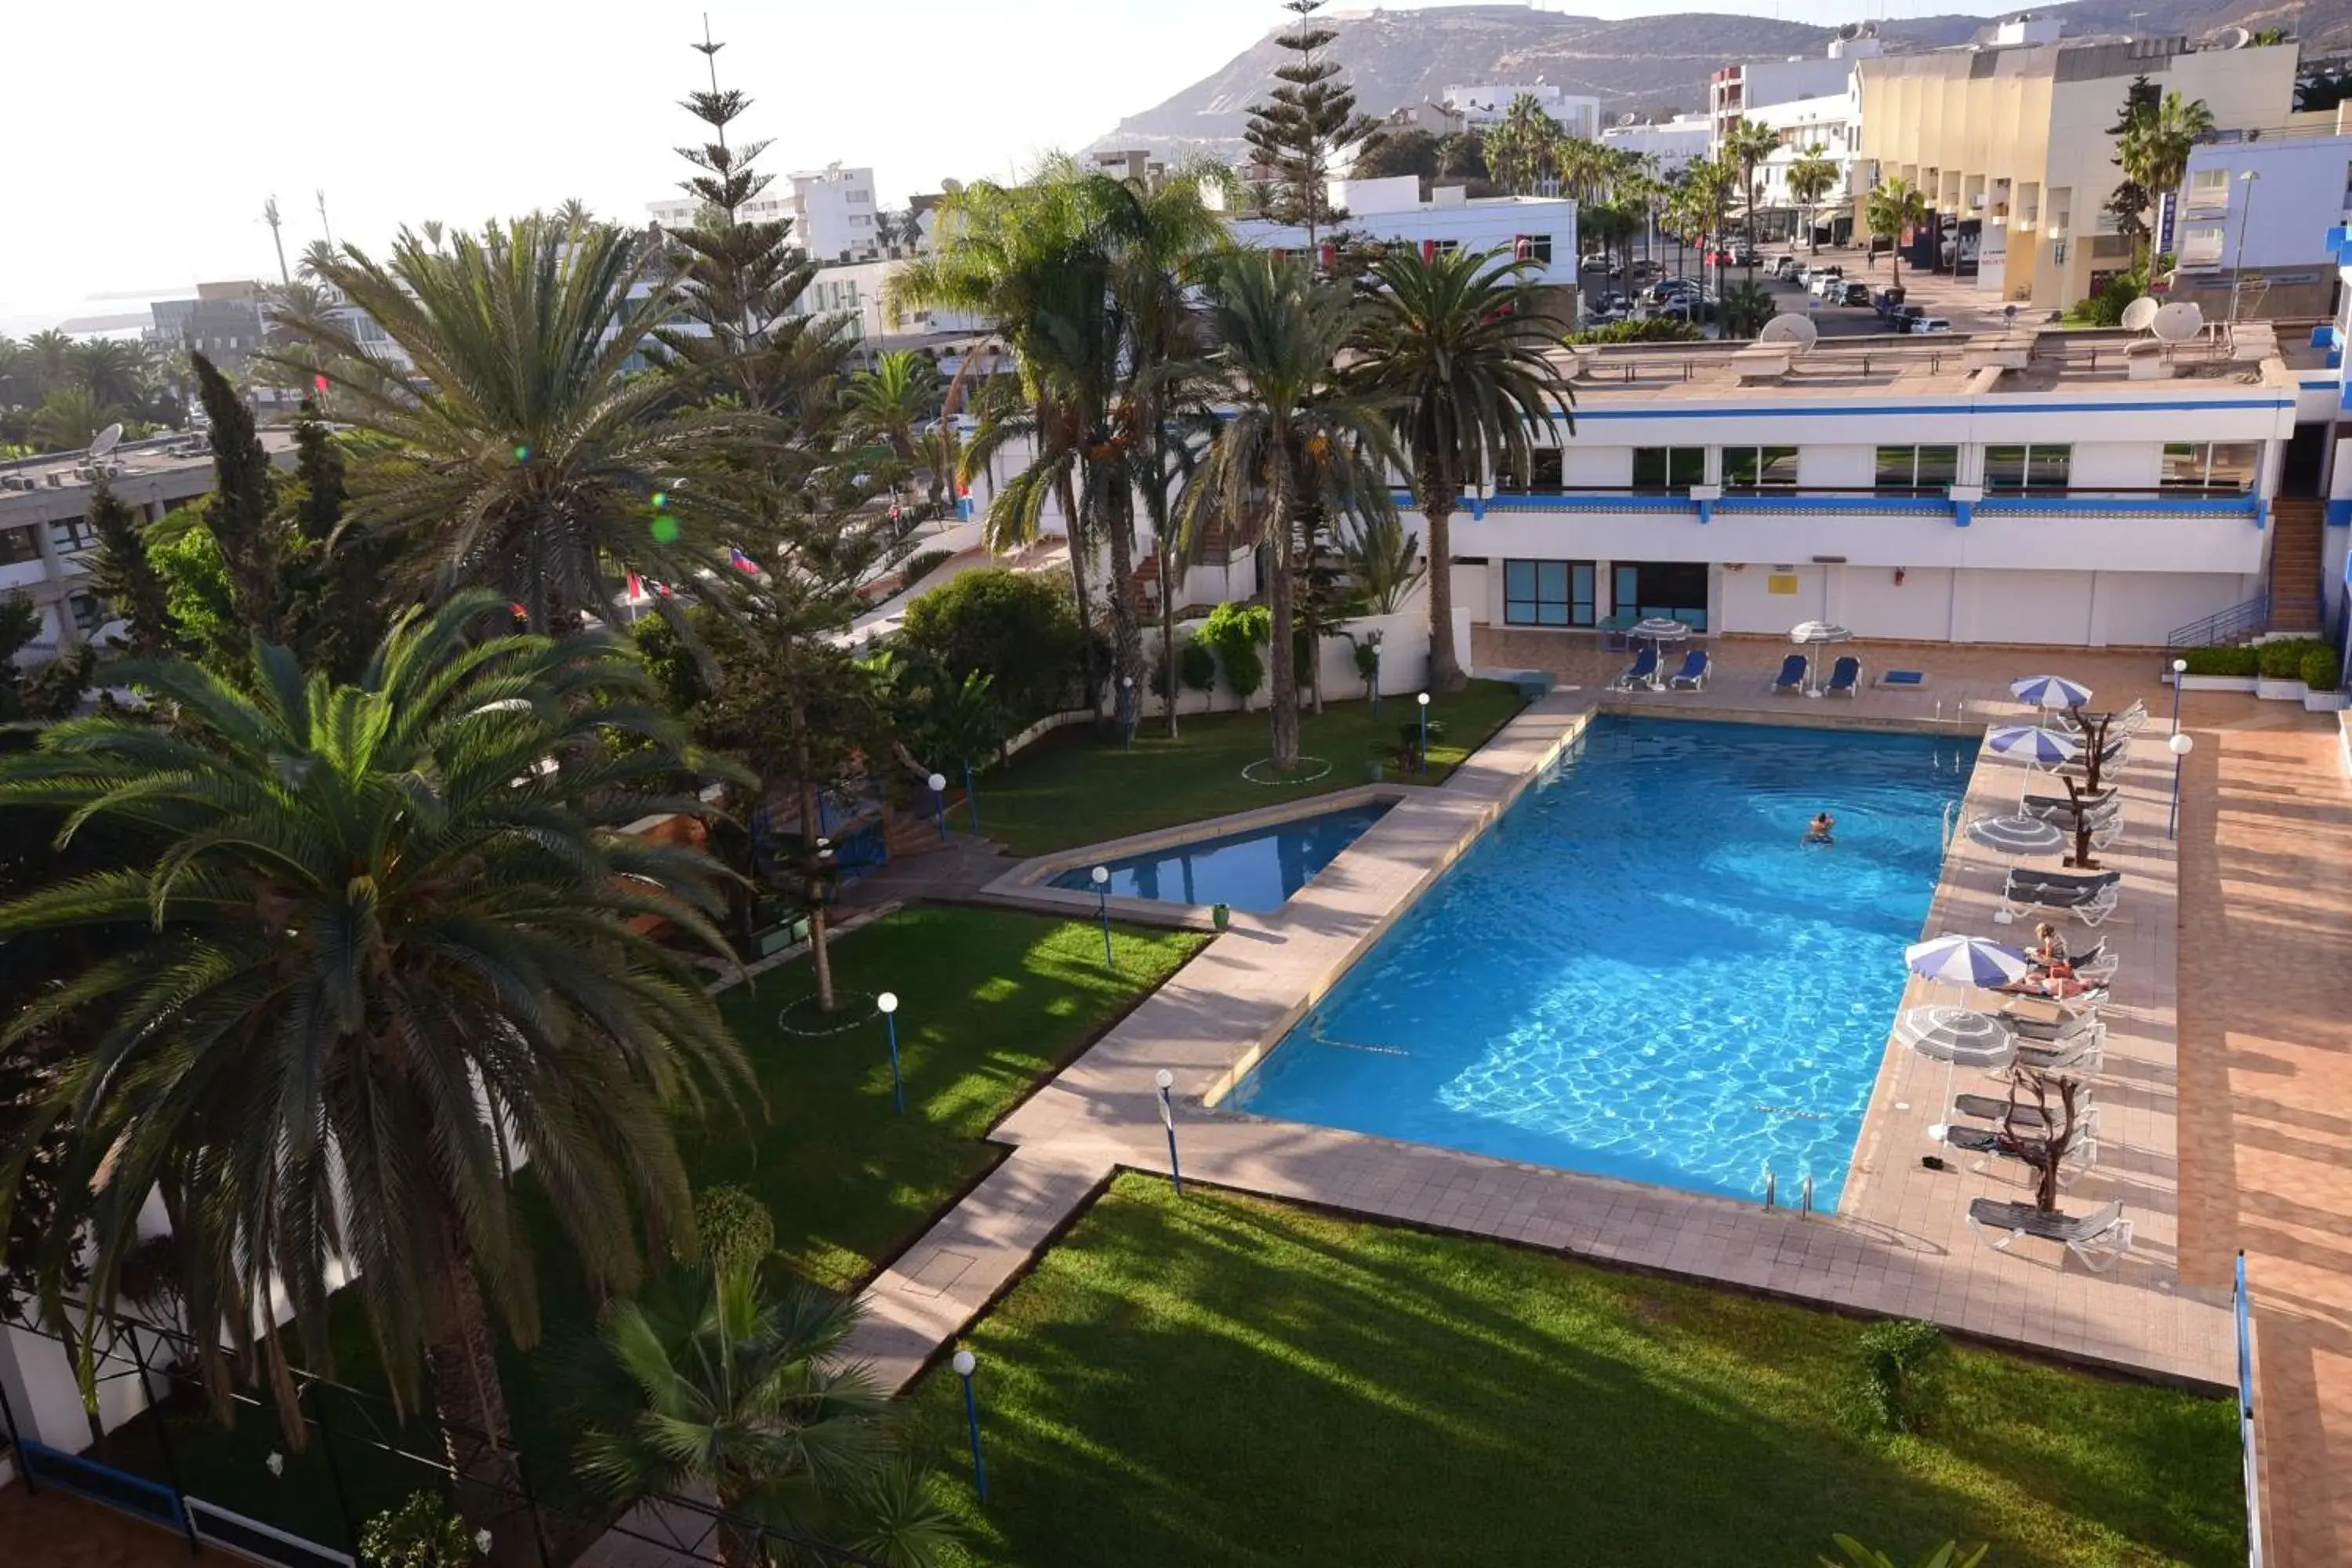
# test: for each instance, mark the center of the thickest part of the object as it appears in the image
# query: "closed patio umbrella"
(1814, 633)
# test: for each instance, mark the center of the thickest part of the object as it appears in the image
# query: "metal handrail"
(2245, 619)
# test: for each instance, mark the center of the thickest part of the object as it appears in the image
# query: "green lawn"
(990, 1001)
(1221, 1381)
(1071, 788)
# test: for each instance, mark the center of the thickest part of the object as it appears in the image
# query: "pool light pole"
(1166, 1081)
(1131, 711)
(1100, 876)
(970, 795)
(964, 1362)
(2179, 668)
(1423, 700)
(2180, 746)
(1374, 638)
(938, 782)
(889, 1002)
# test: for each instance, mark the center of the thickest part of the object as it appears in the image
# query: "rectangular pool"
(1641, 971)
(1256, 869)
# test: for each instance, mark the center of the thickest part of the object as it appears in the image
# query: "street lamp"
(1374, 638)
(938, 782)
(1100, 876)
(1166, 1081)
(2180, 746)
(1128, 710)
(2238, 261)
(1423, 700)
(2179, 668)
(889, 1002)
(964, 1364)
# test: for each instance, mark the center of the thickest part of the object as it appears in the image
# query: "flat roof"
(155, 455)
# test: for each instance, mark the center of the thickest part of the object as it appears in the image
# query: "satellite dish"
(1795, 329)
(2139, 313)
(106, 440)
(1629, 118)
(2178, 321)
(2232, 39)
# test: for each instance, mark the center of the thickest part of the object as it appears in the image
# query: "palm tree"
(1743, 309)
(1454, 349)
(2155, 147)
(524, 454)
(1296, 441)
(69, 419)
(707, 1384)
(1750, 142)
(386, 954)
(1522, 146)
(113, 370)
(890, 403)
(1895, 206)
(1709, 183)
(1811, 178)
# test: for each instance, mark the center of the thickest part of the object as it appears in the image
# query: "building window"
(1674, 590)
(1534, 247)
(2227, 466)
(72, 534)
(1669, 469)
(1444, 246)
(17, 545)
(1544, 471)
(2027, 468)
(1915, 469)
(2201, 245)
(2209, 188)
(89, 612)
(1759, 467)
(1547, 592)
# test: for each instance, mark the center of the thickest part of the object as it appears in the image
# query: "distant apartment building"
(224, 322)
(1485, 103)
(1540, 228)
(684, 211)
(1734, 90)
(1672, 143)
(2249, 236)
(2009, 142)
(833, 213)
(1831, 123)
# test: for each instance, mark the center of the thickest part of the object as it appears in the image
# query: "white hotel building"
(2029, 488)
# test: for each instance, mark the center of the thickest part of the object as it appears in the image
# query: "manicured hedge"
(2241, 662)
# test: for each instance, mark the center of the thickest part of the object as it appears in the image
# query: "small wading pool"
(1641, 971)
(1256, 871)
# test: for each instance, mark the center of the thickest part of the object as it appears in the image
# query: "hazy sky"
(146, 135)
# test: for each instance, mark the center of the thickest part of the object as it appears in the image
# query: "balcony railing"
(2177, 502)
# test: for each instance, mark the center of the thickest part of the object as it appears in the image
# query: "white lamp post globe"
(964, 1362)
(1164, 1079)
(2183, 744)
(2179, 666)
(1100, 876)
(1423, 699)
(888, 1001)
(938, 782)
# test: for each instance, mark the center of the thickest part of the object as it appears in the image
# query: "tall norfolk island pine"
(1305, 122)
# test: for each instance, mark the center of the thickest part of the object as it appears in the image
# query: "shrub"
(1898, 1374)
(1235, 633)
(2282, 660)
(421, 1533)
(2105, 308)
(1018, 626)
(1196, 664)
(1650, 330)
(922, 563)
(2241, 663)
(2320, 670)
(737, 1232)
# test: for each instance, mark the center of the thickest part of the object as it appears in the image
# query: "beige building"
(2012, 134)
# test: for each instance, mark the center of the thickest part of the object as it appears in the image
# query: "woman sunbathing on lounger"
(1823, 829)
(2058, 984)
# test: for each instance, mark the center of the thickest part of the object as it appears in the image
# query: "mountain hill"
(1642, 65)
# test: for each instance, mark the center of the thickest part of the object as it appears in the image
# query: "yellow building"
(2013, 134)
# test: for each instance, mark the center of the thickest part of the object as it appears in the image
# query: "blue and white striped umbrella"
(2050, 692)
(2044, 748)
(1965, 961)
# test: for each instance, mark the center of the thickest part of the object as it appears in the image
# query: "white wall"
(2297, 195)
(1837, 466)
(2116, 465)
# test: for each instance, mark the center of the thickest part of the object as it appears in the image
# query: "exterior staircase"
(2298, 526)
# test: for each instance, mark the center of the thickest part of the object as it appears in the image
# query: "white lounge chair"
(2098, 1238)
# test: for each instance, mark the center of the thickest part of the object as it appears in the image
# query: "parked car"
(1645, 268)
(1929, 325)
(1667, 289)
(1900, 317)
(1855, 294)
(1593, 262)
(1785, 267)
(1887, 302)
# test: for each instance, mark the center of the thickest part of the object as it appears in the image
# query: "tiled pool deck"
(1901, 1244)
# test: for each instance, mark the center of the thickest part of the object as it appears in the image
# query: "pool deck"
(2264, 1138)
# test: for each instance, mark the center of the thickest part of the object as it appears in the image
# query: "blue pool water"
(1640, 971)
(1255, 870)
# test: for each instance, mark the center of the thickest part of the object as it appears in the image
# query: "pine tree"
(335, 607)
(126, 578)
(1305, 122)
(239, 515)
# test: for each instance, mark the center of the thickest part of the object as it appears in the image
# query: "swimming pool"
(1640, 971)
(1256, 869)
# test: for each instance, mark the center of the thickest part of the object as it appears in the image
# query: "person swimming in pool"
(1823, 829)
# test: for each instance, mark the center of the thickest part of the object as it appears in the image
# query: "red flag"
(636, 588)
(320, 381)
(742, 563)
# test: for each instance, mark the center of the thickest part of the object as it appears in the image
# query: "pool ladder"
(1804, 1193)
(1952, 809)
